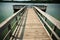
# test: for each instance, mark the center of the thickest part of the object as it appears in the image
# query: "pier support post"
(9, 28)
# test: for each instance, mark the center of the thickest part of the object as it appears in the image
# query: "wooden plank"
(22, 26)
(34, 29)
(17, 33)
(17, 29)
(51, 29)
(49, 17)
(5, 23)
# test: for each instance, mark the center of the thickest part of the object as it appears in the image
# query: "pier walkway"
(30, 24)
(34, 29)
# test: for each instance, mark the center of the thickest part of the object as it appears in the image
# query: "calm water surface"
(6, 10)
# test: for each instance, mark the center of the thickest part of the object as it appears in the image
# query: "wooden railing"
(45, 16)
(7, 23)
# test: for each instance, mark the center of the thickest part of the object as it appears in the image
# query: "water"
(54, 10)
(6, 10)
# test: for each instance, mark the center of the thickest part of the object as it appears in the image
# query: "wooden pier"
(34, 29)
(29, 26)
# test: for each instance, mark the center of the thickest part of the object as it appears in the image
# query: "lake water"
(54, 10)
(6, 10)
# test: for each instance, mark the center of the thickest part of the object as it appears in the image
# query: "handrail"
(50, 28)
(6, 22)
(50, 18)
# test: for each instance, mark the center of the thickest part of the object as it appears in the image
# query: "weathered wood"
(50, 28)
(7, 35)
(34, 29)
(5, 23)
(54, 28)
(50, 18)
(17, 31)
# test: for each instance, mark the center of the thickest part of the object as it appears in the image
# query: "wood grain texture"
(34, 29)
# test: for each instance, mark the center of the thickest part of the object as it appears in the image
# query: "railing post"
(45, 20)
(54, 28)
(19, 16)
(16, 20)
(9, 28)
(56, 24)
